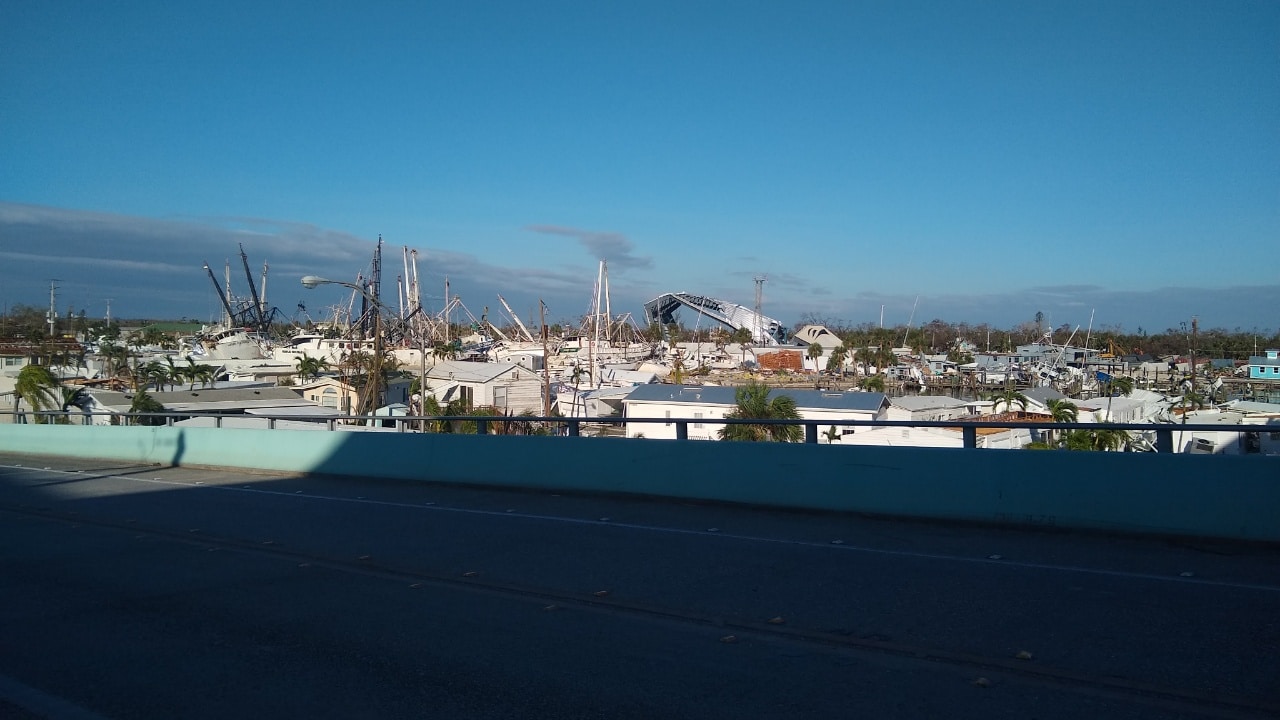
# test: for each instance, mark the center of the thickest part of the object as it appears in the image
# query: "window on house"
(329, 398)
(696, 417)
(668, 418)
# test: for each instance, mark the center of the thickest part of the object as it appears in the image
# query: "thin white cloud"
(613, 247)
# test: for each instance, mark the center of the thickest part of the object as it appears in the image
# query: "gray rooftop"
(717, 395)
(208, 399)
(1043, 395)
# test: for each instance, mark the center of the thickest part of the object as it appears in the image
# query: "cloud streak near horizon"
(152, 267)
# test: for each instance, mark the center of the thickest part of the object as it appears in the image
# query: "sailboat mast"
(264, 289)
(226, 273)
(608, 310)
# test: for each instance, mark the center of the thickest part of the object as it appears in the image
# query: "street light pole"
(373, 391)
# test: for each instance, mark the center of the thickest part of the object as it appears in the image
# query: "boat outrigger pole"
(260, 320)
(221, 296)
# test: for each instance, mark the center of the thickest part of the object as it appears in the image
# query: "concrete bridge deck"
(145, 592)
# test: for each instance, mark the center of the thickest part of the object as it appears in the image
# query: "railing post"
(168, 421)
(482, 427)
(333, 424)
(1164, 440)
(271, 423)
(811, 433)
(970, 434)
(217, 421)
(682, 430)
(573, 428)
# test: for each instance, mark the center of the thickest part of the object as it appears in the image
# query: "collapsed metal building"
(764, 330)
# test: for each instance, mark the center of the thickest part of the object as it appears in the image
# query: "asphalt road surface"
(144, 592)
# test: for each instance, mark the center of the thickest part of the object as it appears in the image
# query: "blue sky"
(993, 158)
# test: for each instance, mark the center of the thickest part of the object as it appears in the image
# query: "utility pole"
(760, 281)
(546, 379)
(1195, 327)
(53, 310)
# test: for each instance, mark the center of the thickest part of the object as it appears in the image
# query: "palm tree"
(1191, 401)
(445, 351)
(155, 373)
(814, 352)
(753, 403)
(36, 385)
(175, 373)
(190, 373)
(76, 397)
(677, 367)
(431, 408)
(1114, 386)
(116, 357)
(1008, 397)
(206, 374)
(835, 363)
(309, 367)
(1062, 411)
(1122, 386)
(1108, 440)
(144, 403)
(865, 356)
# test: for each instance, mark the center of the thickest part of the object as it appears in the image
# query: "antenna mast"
(760, 281)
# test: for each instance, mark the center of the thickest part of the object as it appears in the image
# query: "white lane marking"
(994, 560)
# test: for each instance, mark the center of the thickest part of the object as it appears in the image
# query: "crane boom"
(524, 330)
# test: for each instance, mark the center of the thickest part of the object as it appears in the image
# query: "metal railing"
(573, 426)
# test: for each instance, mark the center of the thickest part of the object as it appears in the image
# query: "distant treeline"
(935, 336)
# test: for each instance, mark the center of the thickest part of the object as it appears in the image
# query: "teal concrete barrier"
(1224, 496)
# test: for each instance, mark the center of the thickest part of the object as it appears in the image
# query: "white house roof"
(927, 402)
(1252, 407)
(309, 410)
(810, 334)
(474, 372)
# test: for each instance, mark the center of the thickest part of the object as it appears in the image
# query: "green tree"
(309, 367)
(753, 403)
(872, 383)
(155, 373)
(866, 356)
(144, 404)
(37, 386)
(814, 353)
(1062, 411)
(835, 363)
(1108, 440)
(76, 397)
(431, 408)
(1008, 397)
